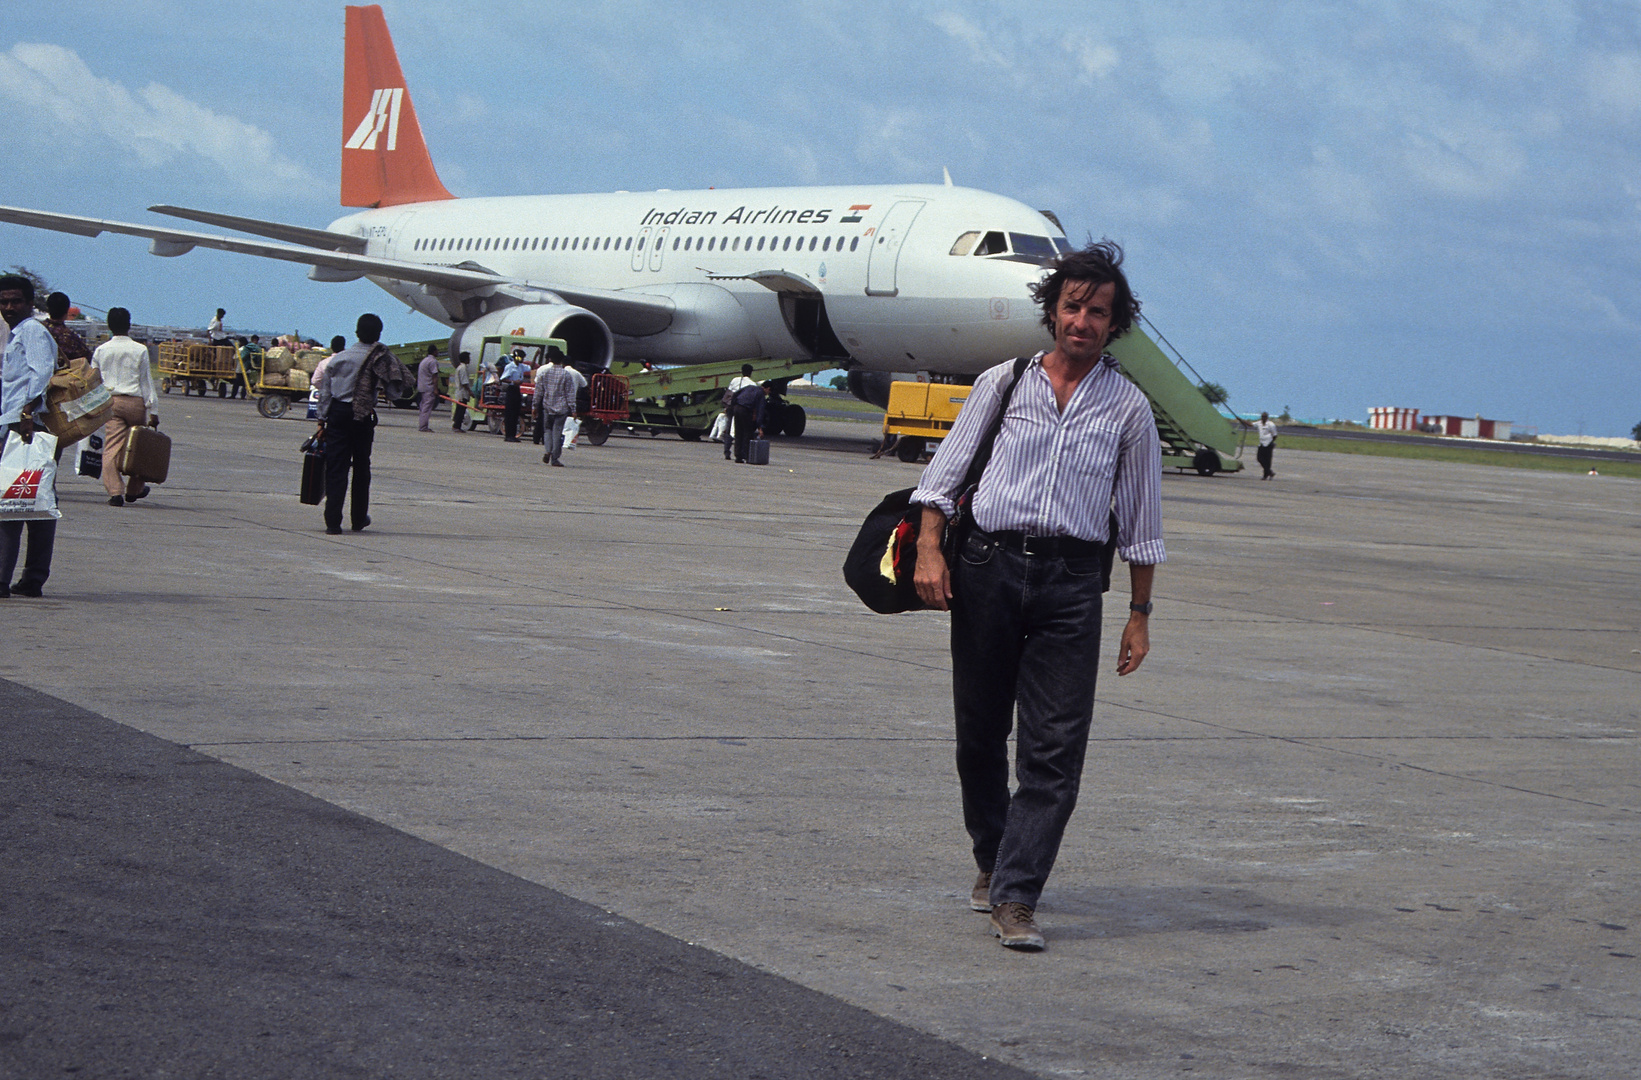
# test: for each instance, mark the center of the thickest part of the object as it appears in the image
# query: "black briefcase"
(313, 474)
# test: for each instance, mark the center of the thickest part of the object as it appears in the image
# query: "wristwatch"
(1142, 609)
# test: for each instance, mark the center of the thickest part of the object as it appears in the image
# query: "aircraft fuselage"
(865, 274)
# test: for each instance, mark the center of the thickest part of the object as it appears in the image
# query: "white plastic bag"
(572, 428)
(28, 478)
(718, 426)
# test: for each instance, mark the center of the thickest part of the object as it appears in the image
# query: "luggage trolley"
(605, 401)
(199, 367)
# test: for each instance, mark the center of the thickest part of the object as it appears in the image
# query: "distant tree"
(1215, 393)
(1287, 415)
(41, 288)
(841, 382)
(1635, 433)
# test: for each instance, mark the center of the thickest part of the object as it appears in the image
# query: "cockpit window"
(1035, 247)
(993, 244)
(1062, 244)
(965, 243)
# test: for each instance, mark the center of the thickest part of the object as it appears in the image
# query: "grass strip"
(1462, 454)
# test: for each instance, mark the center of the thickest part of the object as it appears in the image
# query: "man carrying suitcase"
(123, 365)
(347, 418)
(746, 414)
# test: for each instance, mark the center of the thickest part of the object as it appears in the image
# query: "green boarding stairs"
(1194, 435)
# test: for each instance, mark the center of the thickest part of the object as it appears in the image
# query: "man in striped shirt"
(1077, 443)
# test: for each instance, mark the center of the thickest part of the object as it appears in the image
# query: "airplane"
(877, 279)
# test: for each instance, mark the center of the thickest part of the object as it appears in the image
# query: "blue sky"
(1326, 206)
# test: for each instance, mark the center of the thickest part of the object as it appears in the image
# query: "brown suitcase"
(147, 455)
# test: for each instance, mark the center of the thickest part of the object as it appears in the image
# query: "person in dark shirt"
(70, 346)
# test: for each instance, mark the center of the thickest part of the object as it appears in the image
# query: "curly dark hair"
(1096, 264)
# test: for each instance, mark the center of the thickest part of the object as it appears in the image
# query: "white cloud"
(978, 41)
(156, 125)
(1094, 58)
(1614, 82)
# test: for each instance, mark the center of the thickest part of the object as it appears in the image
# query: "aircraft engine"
(871, 387)
(590, 342)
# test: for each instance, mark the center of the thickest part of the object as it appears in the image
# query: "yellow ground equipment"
(921, 414)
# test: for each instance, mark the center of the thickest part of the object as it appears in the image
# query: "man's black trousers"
(347, 445)
(744, 420)
(1026, 631)
(512, 406)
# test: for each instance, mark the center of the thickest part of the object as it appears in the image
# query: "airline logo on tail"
(384, 160)
(383, 113)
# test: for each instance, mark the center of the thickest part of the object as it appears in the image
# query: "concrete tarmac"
(1369, 809)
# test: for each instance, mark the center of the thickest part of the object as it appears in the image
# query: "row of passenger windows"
(998, 243)
(606, 243)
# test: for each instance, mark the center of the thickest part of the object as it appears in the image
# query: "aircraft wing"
(274, 230)
(630, 313)
(180, 242)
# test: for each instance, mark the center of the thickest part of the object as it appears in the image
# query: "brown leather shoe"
(980, 898)
(1013, 925)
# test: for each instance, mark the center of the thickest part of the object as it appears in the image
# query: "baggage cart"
(196, 367)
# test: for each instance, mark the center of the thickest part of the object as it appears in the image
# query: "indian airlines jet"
(877, 278)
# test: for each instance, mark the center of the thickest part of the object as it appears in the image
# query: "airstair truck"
(1194, 435)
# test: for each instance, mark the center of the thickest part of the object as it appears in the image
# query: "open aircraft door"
(886, 245)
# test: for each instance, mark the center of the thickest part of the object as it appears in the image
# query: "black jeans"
(1026, 631)
(347, 445)
(1265, 454)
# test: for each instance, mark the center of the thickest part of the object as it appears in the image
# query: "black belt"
(1066, 547)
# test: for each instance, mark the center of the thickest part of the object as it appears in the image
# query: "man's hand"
(1136, 642)
(153, 420)
(933, 577)
(24, 428)
(1136, 636)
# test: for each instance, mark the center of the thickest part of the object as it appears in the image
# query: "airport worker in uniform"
(427, 386)
(512, 377)
(461, 388)
(1078, 440)
(214, 330)
(1267, 445)
(555, 394)
(26, 366)
(123, 364)
(347, 418)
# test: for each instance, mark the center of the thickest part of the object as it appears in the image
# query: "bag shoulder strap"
(982, 452)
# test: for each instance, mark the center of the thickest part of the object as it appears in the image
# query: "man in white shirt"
(26, 367)
(214, 330)
(123, 364)
(1267, 445)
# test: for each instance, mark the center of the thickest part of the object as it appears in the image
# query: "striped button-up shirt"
(1054, 473)
(556, 391)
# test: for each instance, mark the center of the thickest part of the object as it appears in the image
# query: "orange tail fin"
(384, 159)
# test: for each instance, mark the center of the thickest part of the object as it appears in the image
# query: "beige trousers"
(129, 412)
